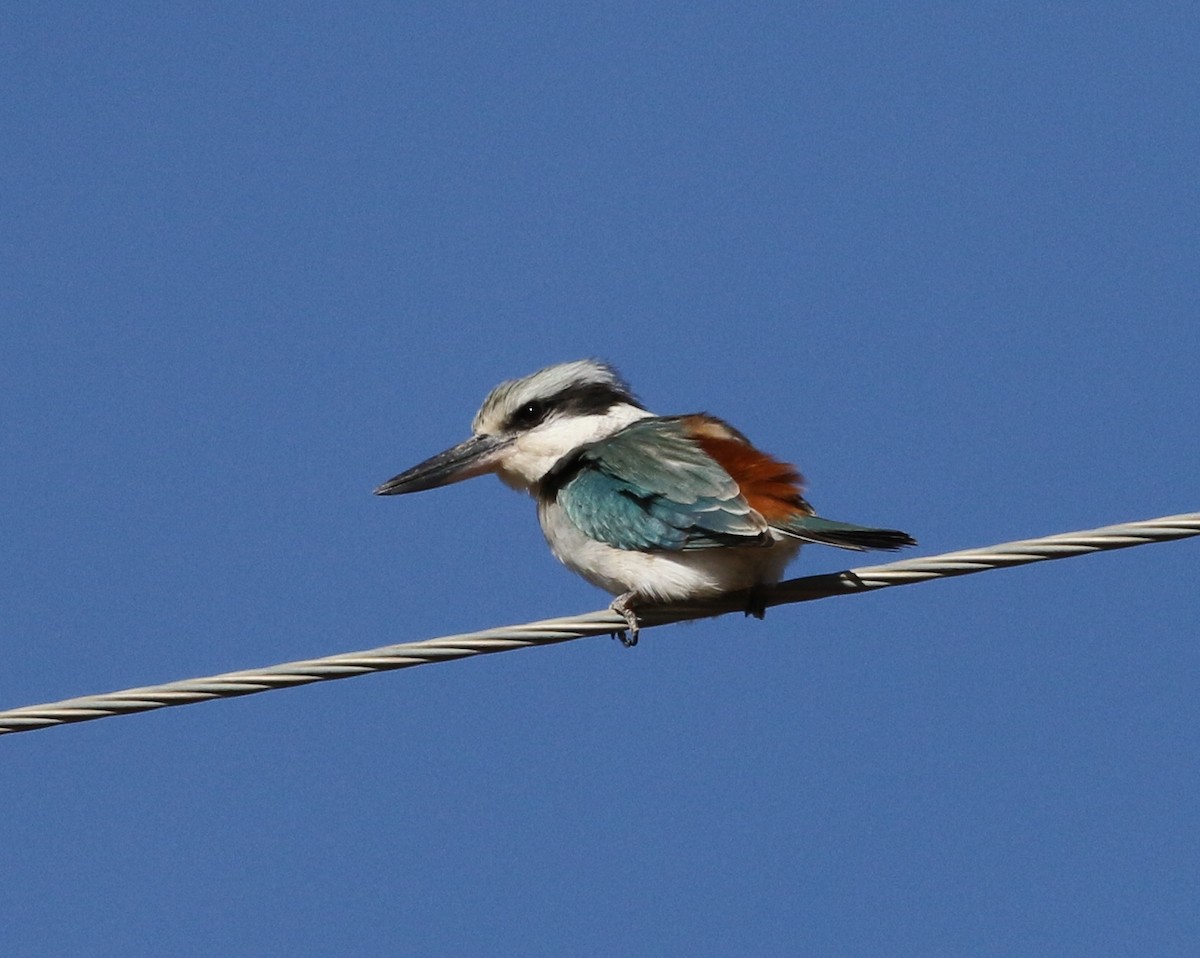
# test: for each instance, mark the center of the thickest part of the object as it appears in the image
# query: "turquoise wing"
(652, 487)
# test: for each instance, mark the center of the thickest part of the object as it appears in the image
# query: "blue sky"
(259, 258)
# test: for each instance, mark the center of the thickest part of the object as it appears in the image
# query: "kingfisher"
(649, 508)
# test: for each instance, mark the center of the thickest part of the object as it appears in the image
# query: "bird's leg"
(756, 602)
(622, 604)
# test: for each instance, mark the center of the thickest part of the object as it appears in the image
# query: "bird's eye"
(529, 415)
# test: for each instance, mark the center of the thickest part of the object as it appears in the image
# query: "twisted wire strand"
(552, 631)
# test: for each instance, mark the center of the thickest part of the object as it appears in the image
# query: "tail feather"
(844, 535)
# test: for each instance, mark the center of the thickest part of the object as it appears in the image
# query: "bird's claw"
(621, 605)
(756, 603)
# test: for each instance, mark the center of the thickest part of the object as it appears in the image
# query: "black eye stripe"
(530, 414)
(592, 399)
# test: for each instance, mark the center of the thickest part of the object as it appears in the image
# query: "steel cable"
(551, 631)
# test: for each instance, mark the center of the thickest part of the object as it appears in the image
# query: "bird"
(652, 509)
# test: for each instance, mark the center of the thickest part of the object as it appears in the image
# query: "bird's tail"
(844, 535)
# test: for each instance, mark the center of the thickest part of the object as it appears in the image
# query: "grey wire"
(551, 631)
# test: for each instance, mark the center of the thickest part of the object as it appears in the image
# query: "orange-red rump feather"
(771, 487)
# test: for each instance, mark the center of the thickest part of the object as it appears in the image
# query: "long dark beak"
(476, 456)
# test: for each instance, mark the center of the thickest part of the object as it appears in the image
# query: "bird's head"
(527, 425)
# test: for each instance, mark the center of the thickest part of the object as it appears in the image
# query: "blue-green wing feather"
(650, 486)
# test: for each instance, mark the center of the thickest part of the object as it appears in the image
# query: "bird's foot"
(622, 605)
(756, 602)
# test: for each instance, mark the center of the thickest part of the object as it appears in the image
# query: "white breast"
(663, 576)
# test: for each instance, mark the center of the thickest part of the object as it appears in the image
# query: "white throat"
(534, 453)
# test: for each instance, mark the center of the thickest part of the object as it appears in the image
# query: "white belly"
(663, 576)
